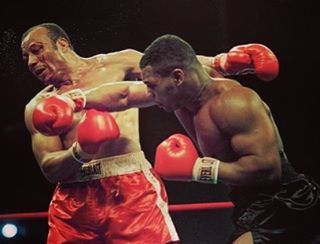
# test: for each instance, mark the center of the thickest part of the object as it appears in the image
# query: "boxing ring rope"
(172, 208)
(199, 206)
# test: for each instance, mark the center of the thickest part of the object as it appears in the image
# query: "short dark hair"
(54, 32)
(168, 52)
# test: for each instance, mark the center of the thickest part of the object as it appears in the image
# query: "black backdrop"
(290, 28)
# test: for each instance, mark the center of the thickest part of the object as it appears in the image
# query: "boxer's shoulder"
(46, 92)
(119, 56)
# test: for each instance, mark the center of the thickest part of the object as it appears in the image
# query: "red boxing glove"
(96, 128)
(245, 59)
(177, 159)
(53, 116)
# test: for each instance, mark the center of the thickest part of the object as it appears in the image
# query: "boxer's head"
(167, 65)
(44, 48)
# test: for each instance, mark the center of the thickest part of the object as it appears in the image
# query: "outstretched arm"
(251, 58)
(54, 115)
(119, 96)
(242, 59)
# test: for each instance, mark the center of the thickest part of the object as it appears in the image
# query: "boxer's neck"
(78, 68)
(200, 82)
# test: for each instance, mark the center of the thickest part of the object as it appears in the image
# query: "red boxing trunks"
(112, 200)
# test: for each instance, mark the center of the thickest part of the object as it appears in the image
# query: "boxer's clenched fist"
(93, 130)
(54, 115)
(177, 159)
(251, 58)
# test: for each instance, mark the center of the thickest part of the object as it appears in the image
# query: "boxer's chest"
(211, 140)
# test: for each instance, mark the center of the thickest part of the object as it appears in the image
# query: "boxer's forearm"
(119, 96)
(205, 60)
(56, 163)
(58, 166)
(250, 170)
(206, 63)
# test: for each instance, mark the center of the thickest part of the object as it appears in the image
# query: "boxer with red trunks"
(106, 190)
(125, 202)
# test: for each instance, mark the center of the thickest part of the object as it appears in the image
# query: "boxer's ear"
(62, 43)
(178, 76)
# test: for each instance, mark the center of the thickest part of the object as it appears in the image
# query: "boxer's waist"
(111, 166)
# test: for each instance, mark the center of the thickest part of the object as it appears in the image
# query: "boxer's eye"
(36, 50)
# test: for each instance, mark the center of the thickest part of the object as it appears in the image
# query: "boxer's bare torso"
(223, 127)
(58, 66)
(102, 69)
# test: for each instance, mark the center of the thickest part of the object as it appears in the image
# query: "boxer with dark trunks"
(239, 141)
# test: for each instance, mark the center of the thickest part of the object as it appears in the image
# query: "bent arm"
(56, 162)
(253, 139)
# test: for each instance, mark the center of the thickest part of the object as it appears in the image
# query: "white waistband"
(111, 166)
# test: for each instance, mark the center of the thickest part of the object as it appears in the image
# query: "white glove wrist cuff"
(206, 170)
(79, 155)
(78, 97)
(219, 62)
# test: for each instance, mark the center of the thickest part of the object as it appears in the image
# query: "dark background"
(289, 28)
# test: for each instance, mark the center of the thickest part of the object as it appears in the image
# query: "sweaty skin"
(239, 143)
(49, 65)
(62, 70)
(226, 121)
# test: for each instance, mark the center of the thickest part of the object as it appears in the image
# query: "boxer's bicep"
(252, 138)
(43, 146)
(255, 147)
(28, 116)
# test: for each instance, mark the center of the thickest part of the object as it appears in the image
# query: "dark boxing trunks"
(288, 212)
